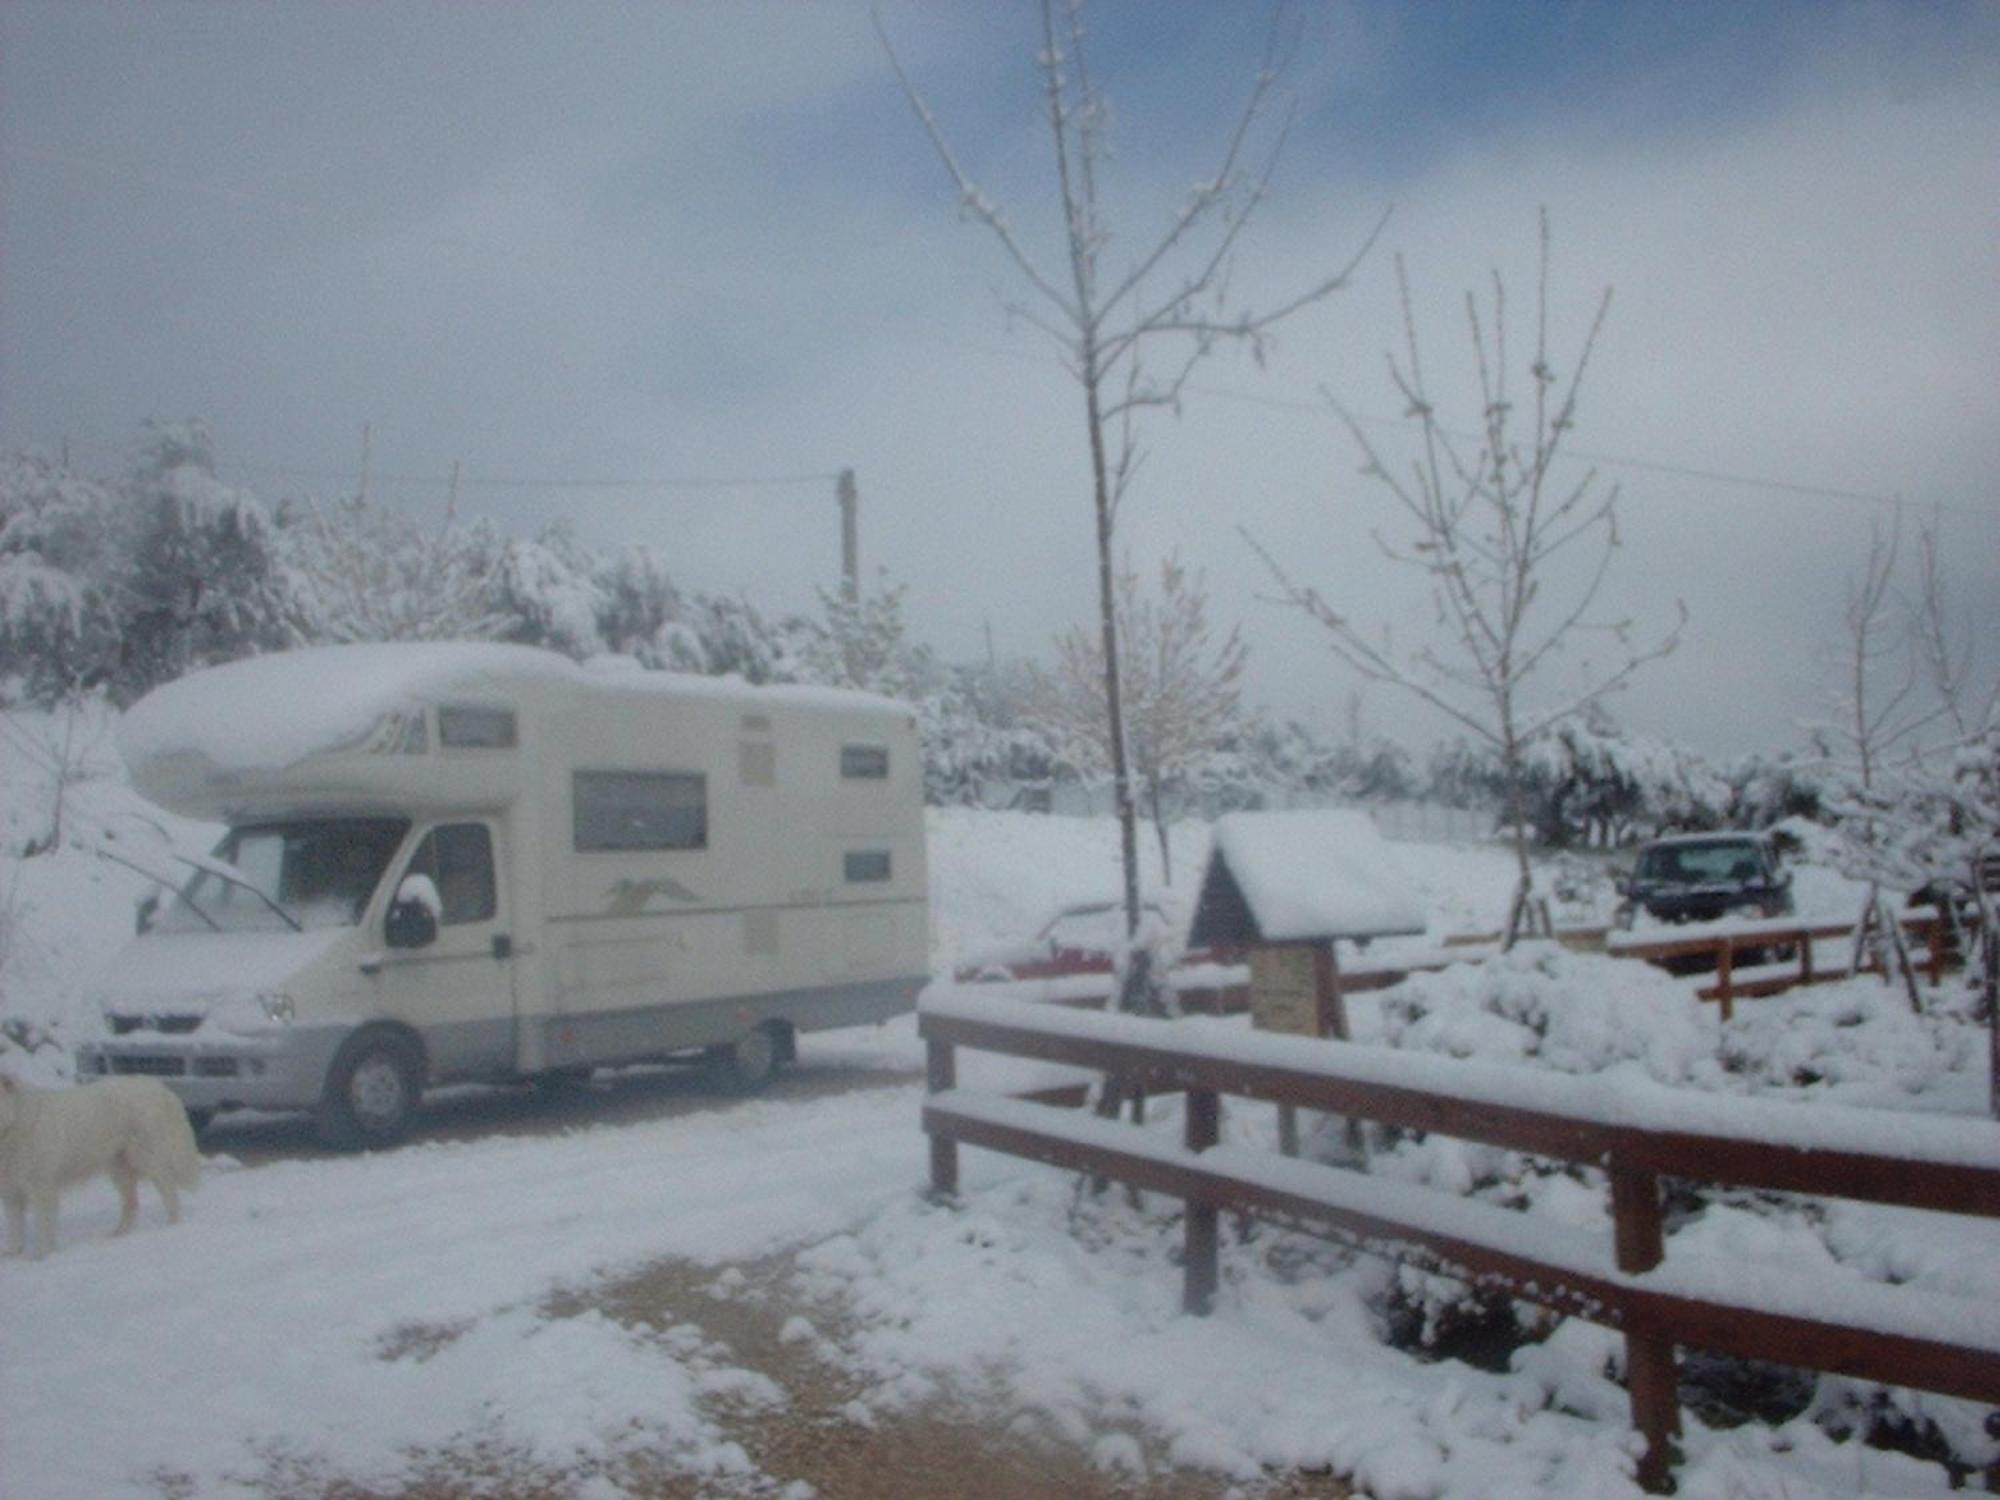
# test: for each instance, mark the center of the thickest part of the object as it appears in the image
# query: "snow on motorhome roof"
(1313, 875)
(270, 711)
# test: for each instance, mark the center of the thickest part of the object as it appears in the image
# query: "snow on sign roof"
(1293, 877)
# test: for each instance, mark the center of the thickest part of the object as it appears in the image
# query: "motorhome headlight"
(277, 1008)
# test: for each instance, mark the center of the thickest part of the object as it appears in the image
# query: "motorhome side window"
(464, 727)
(866, 864)
(638, 810)
(864, 762)
(458, 858)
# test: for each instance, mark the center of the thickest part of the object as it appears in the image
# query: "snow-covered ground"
(318, 1320)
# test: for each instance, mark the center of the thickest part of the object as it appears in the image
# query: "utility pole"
(850, 535)
(366, 438)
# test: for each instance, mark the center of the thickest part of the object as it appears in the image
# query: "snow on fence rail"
(1222, 989)
(1725, 943)
(1637, 1133)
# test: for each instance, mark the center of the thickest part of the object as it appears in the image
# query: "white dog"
(51, 1139)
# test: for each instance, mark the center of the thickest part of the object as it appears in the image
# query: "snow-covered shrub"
(363, 572)
(1854, 1043)
(1571, 1012)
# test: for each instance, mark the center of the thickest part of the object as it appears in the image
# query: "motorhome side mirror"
(412, 921)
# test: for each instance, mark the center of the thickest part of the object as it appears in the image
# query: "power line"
(1796, 488)
(351, 477)
(520, 482)
(1619, 460)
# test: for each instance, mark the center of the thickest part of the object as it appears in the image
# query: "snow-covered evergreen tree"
(980, 735)
(640, 613)
(200, 579)
(546, 594)
(863, 643)
(58, 631)
(1592, 782)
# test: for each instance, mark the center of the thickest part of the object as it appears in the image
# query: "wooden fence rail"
(1895, 1335)
(1207, 992)
(1726, 947)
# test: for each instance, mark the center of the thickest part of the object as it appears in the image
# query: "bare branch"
(1488, 529)
(973, 202)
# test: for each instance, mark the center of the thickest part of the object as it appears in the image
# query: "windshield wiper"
(159, 879)
(223, 870)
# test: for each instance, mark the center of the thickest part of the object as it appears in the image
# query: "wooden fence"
(1207, 990)
(1895, 1335)
(1764, 937)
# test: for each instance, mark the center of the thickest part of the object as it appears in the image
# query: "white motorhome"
(460, 861)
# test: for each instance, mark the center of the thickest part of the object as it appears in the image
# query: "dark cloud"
(686, 241)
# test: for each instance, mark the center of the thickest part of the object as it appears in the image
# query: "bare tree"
(1169, 300)
(1515, 555)
(1920, 739)
(1882, 706)
(1182, 679)
(1879, 710)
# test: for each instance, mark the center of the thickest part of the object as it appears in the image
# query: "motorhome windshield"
(316, 872)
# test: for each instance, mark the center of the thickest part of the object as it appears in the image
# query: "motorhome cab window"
(458, 857)
(476, 728)
(632, 810)
(864, 762)
(270, 877)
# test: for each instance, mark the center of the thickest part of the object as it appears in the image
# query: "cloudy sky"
(608, 257)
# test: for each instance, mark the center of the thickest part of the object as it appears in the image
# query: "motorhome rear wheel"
(750, 1063)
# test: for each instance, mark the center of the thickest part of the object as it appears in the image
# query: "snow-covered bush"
(1855, 1043)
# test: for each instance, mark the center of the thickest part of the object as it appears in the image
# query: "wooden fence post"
(1650, 1373)
(1200, 1269)
(1725, 970)
(941, 1069)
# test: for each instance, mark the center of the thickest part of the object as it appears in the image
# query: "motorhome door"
(457, 988)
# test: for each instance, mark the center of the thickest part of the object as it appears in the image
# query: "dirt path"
(962, 1447)
(820, 1442)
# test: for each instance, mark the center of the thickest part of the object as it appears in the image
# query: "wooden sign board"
(1284, 989)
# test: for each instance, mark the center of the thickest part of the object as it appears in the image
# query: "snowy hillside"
(591, 1306)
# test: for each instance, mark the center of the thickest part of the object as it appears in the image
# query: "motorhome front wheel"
(371, 1093)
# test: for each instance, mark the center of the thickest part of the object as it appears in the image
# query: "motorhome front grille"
(152, 1065)
(172, 1025)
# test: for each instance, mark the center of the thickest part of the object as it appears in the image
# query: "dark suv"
(1699, 877)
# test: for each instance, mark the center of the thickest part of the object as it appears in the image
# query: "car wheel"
(371, 1093)
(751, 1062)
